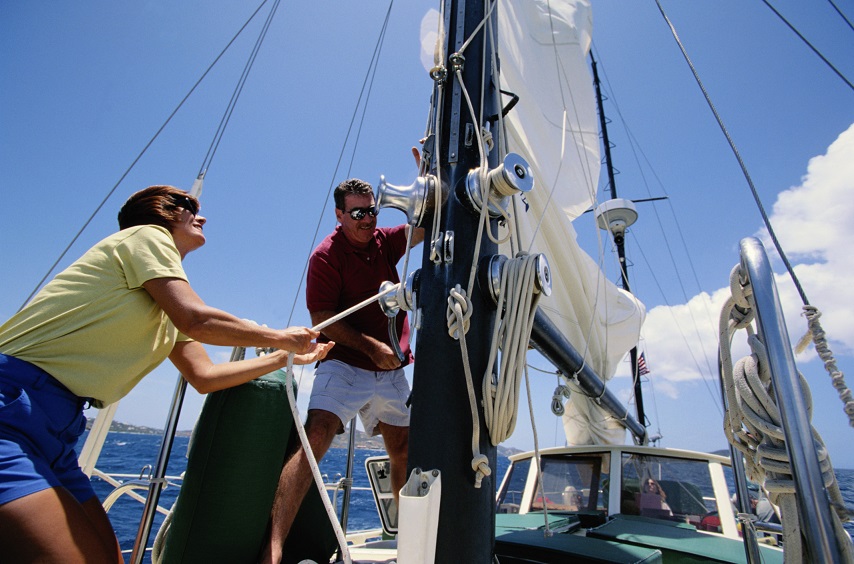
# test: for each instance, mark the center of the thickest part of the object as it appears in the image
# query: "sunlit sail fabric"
(543, 47)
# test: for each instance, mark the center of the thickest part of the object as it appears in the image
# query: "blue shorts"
(40, 422)
(377, 396)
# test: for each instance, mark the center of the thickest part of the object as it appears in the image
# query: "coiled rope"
(753, 424)
(518, 297)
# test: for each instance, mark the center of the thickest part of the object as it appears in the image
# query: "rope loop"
(558, 396)
(742, 314)
(480, 465)
(487, 138)
(459, 313)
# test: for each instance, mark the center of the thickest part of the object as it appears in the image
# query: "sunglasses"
(359, 213)
(186, 203)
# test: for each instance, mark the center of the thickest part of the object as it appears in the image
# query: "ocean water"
(129, 454)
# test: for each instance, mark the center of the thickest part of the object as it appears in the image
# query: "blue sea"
(127, 453)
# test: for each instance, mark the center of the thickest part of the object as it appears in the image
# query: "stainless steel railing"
(816, 518)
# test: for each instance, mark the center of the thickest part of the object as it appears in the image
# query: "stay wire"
(734, 149)
(810, 45)
(637, 152)
(232, 103)
(368, 79)
(841, 15)
(139, 156)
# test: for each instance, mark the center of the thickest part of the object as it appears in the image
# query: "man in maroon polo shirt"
(361, 374)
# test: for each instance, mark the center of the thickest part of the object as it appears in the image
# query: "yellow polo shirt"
(94, 327)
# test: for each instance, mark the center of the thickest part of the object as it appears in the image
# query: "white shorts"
(377, 396)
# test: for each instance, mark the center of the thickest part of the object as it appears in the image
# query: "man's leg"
(321, 427)
(396, 441)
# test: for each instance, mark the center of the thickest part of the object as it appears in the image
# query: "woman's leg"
(51, 526)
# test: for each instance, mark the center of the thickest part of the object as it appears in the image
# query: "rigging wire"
(688, 347)
(636, 148)
(368, 80)
(838, 11)
(232, 103)
(808, 44)
(744, 171)
(139, 156)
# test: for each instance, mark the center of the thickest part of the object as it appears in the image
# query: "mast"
(441, 425)
(619, 240)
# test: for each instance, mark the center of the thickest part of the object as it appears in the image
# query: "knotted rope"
(753, 423)
(458, 318)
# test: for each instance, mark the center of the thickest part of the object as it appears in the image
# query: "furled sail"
(543, 50)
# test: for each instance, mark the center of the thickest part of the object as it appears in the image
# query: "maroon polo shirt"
(341, 276)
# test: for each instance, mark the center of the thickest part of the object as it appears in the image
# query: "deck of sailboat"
(610, 528)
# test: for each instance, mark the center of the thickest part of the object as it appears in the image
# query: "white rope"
(438, 73)
(837, 378)
(312, 463)
(309, 454)
(517, 307)
(546, 530)
(753, 424)
(355, 308)
(458, 319)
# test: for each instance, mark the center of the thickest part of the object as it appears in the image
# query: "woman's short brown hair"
(156, 205)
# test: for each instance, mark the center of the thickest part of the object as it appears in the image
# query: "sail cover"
(543, 47)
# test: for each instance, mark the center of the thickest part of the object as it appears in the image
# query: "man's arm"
(344, 334)
(417, 236)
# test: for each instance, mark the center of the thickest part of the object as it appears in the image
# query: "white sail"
(543, 51)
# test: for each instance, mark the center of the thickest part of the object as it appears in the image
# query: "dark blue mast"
(441, 425)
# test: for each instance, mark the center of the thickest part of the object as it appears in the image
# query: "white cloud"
(815, 223)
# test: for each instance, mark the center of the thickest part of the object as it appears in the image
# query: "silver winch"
(491, 276)
(512, 176)
(411, 200)
(391, 304)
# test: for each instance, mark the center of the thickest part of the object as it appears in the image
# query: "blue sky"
(85, 86)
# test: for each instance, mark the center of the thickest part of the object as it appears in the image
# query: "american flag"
(642, 369)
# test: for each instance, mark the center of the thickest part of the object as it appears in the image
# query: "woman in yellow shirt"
(89, 336)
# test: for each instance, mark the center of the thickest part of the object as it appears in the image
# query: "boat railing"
(815, 511)
(128, 484)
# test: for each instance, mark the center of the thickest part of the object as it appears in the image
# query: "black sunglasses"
(359, 213)
(186, 203)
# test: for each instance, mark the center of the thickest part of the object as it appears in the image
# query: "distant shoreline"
(363, 441)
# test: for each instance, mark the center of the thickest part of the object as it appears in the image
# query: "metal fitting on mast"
(513, 176)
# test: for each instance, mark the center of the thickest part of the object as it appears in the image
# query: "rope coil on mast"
(512, 331)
